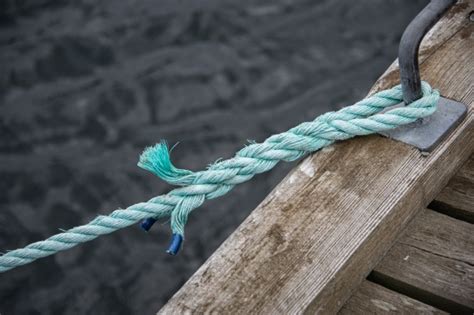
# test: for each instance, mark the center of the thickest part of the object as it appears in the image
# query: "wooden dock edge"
(314, 239)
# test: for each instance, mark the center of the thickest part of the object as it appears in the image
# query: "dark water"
(85, 85)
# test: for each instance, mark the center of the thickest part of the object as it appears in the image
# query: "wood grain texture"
(433, 262)
(313, 240)
(371, 298)
(457, 198)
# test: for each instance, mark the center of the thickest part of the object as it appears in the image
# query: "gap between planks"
(457, 198)
(432, 262)
(372, 298)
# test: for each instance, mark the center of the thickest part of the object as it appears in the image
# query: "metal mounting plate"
(426, 133)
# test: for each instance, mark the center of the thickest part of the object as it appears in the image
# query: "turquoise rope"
(362, 118)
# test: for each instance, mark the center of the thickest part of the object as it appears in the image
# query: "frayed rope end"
(156, 159)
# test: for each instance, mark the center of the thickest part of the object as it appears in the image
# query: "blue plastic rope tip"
(147, 224)
(175, 245)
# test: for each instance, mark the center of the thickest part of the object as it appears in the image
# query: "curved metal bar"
(409, 44)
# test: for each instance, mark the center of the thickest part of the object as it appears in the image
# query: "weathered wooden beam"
(314, 239)
(457, 198)
(434, 262)
(371, 298)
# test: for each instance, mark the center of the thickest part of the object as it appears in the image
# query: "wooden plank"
(433, 262)
(320, 232)
(371, 298)
(457, 198)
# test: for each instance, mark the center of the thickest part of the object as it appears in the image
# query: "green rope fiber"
(363, 118)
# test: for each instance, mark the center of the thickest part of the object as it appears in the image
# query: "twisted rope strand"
(362, 118)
